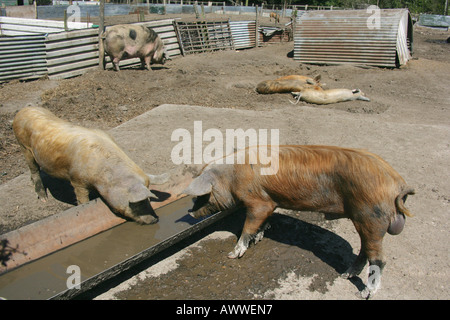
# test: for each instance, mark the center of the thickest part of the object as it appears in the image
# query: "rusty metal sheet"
(348, 36)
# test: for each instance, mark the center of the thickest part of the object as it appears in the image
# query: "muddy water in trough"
(102, 256)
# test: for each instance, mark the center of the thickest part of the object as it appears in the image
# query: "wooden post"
(101, 27)
(196, 10)
(101, 23)
(256, 29)
(65, 20)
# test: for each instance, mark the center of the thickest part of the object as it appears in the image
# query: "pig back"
(326, 176)
(67, 151)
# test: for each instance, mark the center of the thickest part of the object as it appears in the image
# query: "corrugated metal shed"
(377, 38)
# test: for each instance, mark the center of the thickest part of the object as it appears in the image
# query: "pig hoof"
(234, 254)
(365, 294)
(260, 235)
(43, 197)
(238, 252)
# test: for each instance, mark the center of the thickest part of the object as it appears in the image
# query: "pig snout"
(201, 206)
(143, 213)
(397, 224)
(147, 219)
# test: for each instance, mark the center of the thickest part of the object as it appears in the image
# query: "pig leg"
(115, 61)
(145, 62)
(81, 192)
(371, 234)
(35, 175)
(257, 213)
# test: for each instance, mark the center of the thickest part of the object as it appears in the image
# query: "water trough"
(96, 242)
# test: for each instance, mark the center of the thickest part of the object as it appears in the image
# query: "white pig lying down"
(343, 183)
(89, 159)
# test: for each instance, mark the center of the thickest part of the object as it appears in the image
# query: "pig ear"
(138, 193)
(200, 185)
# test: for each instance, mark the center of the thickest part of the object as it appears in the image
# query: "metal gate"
(202, 36)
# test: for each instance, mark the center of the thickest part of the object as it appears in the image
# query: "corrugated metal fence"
(381, 38)
(65, 54)
(22, 57)
(18, 26)
(62, 55)
(72, 53)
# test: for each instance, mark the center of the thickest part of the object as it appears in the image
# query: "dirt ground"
(406, 122)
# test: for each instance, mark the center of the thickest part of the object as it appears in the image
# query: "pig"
(89, 159)
(339, 182)
(317, 95)
(287, 84)
(130, 41)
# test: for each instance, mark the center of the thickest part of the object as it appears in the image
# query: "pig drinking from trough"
(339, 182)
(131, 41)
(88, 158)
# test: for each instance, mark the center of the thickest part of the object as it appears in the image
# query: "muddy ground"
(301, 257)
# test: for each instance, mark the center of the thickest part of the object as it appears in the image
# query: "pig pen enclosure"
(301, 257)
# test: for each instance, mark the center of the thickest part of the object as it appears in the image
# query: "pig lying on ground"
(130, 41)
(88, 158)
(348, 183)
(287, 84)
(320, 96)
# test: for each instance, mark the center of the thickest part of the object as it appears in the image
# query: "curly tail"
(400, 201)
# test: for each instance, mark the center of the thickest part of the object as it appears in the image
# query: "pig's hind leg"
(145, 63)
(371, 233)
(254, 227)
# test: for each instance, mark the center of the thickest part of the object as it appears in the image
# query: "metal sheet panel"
(22, 57)
(350, 36)
(243, 33)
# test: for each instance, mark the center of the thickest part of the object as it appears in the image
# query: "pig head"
(342, 183)
(89, 159)
(129, 41)
(212, 190)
